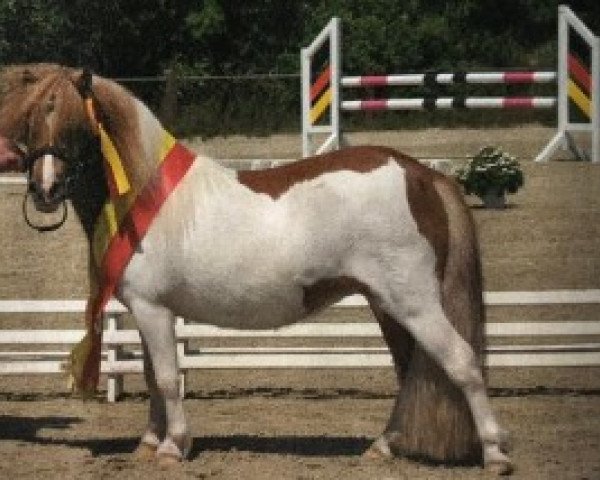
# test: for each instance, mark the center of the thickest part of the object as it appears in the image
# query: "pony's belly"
(234, 309)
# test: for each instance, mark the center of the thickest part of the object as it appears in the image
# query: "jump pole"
(322, 102)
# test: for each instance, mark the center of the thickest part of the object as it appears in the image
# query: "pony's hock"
(299, 240)
(577, 99)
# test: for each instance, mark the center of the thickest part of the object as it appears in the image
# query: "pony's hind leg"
(156, 429)
(157, 328)
(401, 345)
(431, 329)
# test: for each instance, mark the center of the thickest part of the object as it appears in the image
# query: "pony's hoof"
(169, 461)
(495, 459)
(172, 452)
(500, 467)
(505, 441)
(379, 449)
(145, 452)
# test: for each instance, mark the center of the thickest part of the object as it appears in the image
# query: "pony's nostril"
(45, 197)
(57, 192)
(37, 191)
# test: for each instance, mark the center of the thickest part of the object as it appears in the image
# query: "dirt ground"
(315, 424)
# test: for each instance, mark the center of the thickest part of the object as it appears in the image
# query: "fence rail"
(548, 349)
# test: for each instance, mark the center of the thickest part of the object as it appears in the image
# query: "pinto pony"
(175, 234)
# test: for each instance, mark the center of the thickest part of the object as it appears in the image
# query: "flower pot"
(495, 199)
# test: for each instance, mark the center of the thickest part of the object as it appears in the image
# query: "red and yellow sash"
(125, 219)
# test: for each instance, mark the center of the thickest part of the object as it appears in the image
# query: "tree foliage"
(136, 37)
(124, 38)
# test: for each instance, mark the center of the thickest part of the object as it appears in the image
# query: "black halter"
(28, 163)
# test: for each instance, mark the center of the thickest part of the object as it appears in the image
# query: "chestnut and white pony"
(263, 249)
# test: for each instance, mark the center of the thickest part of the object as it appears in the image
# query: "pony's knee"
(447, 347)
(463, 369)
(167, 384)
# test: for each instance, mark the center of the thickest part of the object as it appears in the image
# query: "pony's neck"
(134, 129)
(138, 137)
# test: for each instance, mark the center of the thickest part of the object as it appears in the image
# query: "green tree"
(115, 37)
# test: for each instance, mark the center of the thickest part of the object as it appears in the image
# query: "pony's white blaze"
(48, 172)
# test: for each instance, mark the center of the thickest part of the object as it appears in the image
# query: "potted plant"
(490, 175)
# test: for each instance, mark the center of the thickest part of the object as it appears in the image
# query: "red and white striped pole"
(414, 79)
(448, 103)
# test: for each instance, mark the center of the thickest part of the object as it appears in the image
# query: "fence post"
(182, 348)
(168, 106)
(115, 380)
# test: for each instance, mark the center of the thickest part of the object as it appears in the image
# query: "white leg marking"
(155, 431)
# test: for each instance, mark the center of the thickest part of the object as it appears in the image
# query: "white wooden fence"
(549, 348)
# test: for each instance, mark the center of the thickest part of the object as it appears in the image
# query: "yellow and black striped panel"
(320, 85)
(579, 83)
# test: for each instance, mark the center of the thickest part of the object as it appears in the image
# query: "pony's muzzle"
(47, 199)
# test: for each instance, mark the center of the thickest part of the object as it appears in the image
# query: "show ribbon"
(125, 218)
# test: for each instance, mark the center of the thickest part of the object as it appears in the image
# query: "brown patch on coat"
(425, 203)
(427, 208)
(276, 181)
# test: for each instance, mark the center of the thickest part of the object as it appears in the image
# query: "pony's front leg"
(157, 421)
(157, 329)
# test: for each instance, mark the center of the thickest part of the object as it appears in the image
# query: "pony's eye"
(28, 77)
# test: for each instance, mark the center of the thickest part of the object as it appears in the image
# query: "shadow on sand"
(28, 430)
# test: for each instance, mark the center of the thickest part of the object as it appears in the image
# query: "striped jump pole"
(432, 78)
(449, 103)
(577, 79)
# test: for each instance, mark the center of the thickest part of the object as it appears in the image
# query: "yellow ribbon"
(109, 151)
(114, 161)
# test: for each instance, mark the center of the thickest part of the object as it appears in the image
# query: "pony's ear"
(84, 83)
(28, 77)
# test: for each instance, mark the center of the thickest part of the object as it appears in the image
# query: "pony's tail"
(462, 284)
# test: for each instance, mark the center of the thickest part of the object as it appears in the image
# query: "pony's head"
(41, 110)
(64, 119)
